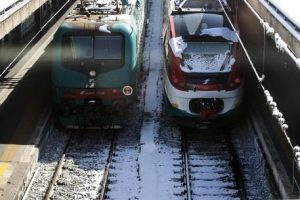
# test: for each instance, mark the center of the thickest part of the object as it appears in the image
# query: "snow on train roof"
(201, 62)
(112, 2)
(106, 5)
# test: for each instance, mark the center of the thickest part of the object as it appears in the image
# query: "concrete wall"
(292, 42)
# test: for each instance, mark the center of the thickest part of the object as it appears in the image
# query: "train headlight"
(93, 73)
(127, 90)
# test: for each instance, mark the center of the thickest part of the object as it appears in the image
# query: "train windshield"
(194, 24)
(99, 52)
(207, 62)
(208, 37)
(81, 47)
(206, 57)
(108, 47)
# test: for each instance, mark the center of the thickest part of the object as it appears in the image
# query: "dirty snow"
(84, 167)
(49, 157)
(211, 174)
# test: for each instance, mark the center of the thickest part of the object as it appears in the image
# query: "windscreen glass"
(108, 47)
(84, 52)
(82, 47)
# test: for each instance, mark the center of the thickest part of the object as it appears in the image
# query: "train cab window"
(109, 52)
(77, 48)
(207, 48)
(99, 52)
(82, 47)
(108, 47)
(192, 24)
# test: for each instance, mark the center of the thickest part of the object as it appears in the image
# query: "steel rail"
(235, 165)
(58, 170)
(186, 166)
(46, 128)
(104, 181)
(226, 140)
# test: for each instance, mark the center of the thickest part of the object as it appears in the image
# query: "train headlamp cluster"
(93, 73)
(127, 90)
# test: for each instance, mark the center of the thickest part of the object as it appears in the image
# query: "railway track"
(92, 168)
(211, 167)
(80, 166)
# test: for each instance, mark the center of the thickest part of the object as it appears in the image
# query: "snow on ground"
(156, 161)
(84, 167)
(49, 157)
(124, 180)
(153, 62)
(145, 165)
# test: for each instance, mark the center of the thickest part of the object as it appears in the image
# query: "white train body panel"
(232, 99)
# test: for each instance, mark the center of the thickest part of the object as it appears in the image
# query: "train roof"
(90, 14)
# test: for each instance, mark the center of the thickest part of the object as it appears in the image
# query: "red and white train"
(203, 78)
